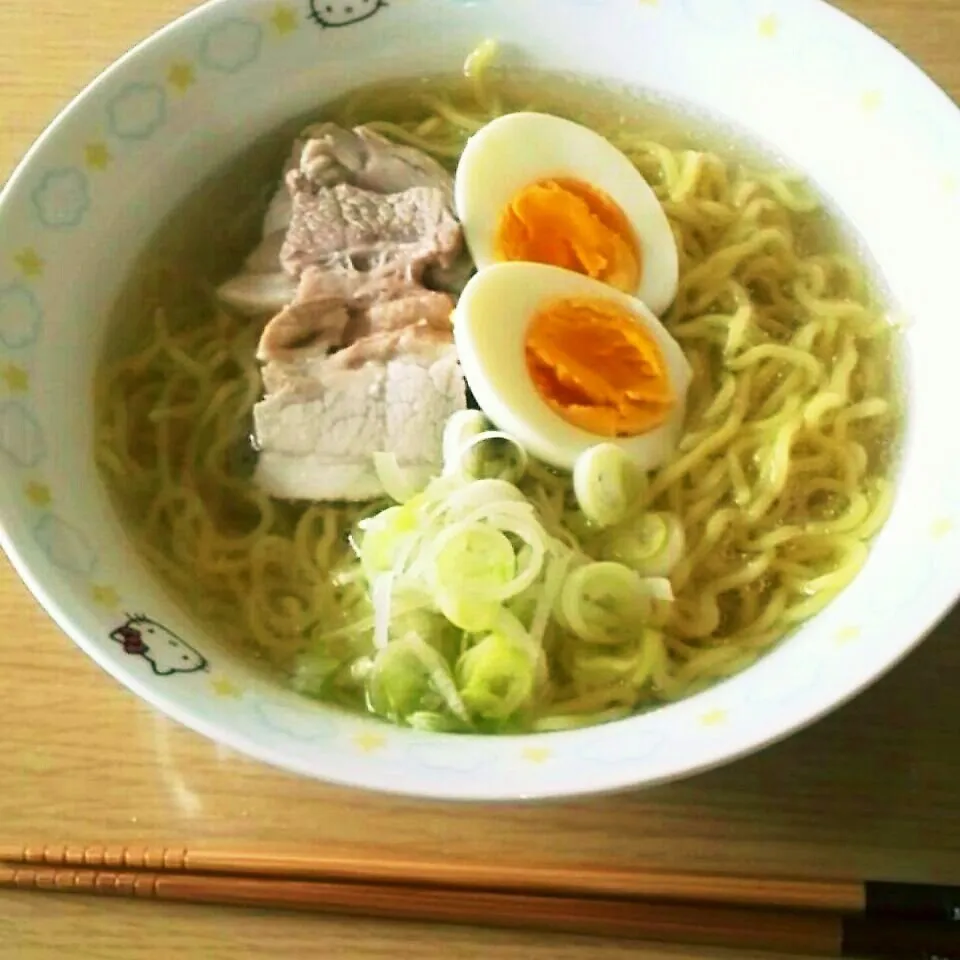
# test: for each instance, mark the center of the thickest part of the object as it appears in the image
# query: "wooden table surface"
(874, 790)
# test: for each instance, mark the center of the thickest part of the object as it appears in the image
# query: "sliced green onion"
(653, 546)
(384, 537)
(471, 563)
(600, 599)
(607, 483)
(434, 722)
(553, 583)
(360, 669)
(440, 676)
(519, 520)
(398, 682)
(468, 612)
(408, 673)
(474, 553)
(401, 483)
(481, 493)
(474, 451)
(459, 591)
(381, 595)
(462, 427)
(508, 625)
(314, 671)
(493, 454)
(496, 677)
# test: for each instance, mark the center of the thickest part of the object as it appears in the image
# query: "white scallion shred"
(462, 427)
(381, 593)
(401, 483)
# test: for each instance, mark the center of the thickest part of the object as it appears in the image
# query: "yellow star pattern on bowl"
(941, 528)
(105, 596)
(30, 262)
(537, 755)
(96, 155)
(714, 718)
(847, 635)
(769, 26)
(38, 494)
(284, 19)
(16, 378)
(370, 742)
(224, 687)
(181, 75)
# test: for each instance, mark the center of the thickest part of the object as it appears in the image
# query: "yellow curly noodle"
(781, 479)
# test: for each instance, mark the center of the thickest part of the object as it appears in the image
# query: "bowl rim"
(614, 779)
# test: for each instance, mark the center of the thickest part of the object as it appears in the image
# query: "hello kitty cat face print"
(161, 648)
(342, 13)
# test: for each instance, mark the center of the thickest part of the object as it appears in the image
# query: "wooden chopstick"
(798, 932)
(895, 900)
(585, 881)
(716, 926)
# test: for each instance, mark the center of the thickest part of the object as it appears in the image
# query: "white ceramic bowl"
(837, 101)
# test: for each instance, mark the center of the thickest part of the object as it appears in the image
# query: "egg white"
(490, 327)
(518, 149)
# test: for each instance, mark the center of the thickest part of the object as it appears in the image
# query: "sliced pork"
(319, 425)
(378, 284)
(344, 226)
(321, 324)
(297, 232)
(308, 328)
(357, 350)
(366, 159)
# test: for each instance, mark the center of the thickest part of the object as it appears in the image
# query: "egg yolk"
(570, 224)
(597, 367)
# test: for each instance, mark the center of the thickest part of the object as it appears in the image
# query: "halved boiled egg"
(534, 187)
(563, 362)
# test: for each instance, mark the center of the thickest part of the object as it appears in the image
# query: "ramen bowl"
(837, 102)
